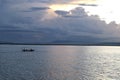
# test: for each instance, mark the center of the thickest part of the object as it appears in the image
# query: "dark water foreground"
(59, 63)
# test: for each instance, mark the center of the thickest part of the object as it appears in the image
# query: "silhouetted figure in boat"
(28, 50)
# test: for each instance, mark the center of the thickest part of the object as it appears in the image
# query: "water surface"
(59, 63)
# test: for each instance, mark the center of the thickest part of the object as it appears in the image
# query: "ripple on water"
(60, 63)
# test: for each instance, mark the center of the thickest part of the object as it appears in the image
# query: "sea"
(59, 62)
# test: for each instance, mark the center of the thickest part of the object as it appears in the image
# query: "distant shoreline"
(99, 44)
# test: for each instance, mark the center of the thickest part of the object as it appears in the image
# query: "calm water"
(59, 63)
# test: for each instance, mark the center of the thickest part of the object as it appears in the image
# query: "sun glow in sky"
(64, 7)
(107, 10)
(69, 6)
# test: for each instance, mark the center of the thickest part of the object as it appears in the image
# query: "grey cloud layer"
(74, 25)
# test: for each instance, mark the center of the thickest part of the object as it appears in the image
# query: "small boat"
(28, 50)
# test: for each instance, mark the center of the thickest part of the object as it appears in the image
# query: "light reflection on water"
(59, 63)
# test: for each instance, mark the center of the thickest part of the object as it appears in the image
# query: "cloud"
(36, 9)
(73, 25)
(79, 23)
(93, 5)
(39, 8)
(70, 1)
(62, 13)
(75, 13)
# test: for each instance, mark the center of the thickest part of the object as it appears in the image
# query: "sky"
(44, 21)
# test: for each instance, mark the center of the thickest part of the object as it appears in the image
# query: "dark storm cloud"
(36, 9)
(93, 5)
(75, 13)
(62, 13)
(39, 8)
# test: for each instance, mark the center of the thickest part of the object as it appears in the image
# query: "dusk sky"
(42, 21)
